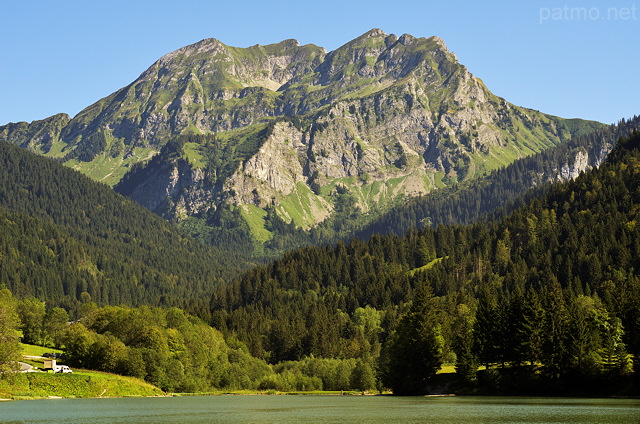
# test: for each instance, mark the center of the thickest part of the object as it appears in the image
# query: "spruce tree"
(415, 351)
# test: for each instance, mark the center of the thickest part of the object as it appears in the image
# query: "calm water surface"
(322, 409)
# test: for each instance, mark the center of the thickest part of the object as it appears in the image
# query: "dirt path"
(24, 367)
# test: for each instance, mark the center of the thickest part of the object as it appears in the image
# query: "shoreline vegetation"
(85, 383)
(97, 384)
(80, 384)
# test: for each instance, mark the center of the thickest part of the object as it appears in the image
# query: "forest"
(548, 292)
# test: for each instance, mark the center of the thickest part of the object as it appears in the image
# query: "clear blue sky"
(566, 58)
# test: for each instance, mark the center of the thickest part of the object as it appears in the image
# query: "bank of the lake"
(96, 384)
(80, 384)
(323, 410)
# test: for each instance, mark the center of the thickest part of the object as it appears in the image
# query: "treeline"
(571, 255)
(63, 234)
(169, 348)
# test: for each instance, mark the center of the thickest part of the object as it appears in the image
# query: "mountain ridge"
(288, 126)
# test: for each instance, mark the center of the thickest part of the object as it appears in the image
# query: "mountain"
(64, 235)
(295, 130)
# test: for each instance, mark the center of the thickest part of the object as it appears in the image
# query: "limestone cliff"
(582, 161)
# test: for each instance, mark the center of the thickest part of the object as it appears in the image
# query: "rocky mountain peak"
(406, 39)
(208, 46)
(373, 33)
(290, 43)
(438, 41)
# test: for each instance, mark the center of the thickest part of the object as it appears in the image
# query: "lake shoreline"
(315, 393)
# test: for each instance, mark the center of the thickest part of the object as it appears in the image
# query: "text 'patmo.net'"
(568, 13)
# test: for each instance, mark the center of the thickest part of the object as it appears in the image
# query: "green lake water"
(322, 409)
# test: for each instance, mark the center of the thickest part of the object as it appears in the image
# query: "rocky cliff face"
(274, 170)
(381, 116)
(582, 161)
(570, 171)
(174, 190)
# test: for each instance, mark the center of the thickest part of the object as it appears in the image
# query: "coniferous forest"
(64, 234)
(541, 296)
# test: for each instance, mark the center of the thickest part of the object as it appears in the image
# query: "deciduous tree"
(9, 343)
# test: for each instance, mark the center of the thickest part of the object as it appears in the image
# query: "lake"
(322, 409)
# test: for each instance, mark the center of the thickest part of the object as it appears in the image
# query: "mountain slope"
(489, 197)
(64, 234)
(502, 189)
(287, 126)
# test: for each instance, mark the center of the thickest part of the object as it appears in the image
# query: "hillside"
(486, 197)
(63, 235)
(293, 129)
(551, 290)
(80, 384)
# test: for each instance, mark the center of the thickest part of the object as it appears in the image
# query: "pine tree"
(531, 330)
(554, 345)
(486, 328)
(615, 358)
(415, 351)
